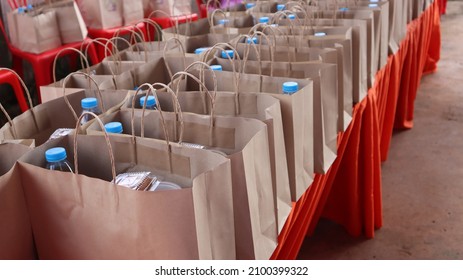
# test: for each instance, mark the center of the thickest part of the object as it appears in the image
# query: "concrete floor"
(423, 177)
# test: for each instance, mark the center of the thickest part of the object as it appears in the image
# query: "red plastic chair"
(7, 77)
(202, 8)
(42, 63)
(166, 22)
(110, 33)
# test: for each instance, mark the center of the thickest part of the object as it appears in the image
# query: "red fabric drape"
(350, 192)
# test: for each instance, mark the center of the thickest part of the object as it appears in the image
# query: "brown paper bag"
(101, 14)
(158, 69)
(132, 11)
(297, 119)
(195, 222)
(339, 56)
(39, 31)
(170, 7)
(16, 240)
(245, 143)
(71, 25)
(41, 121)
(106, 71)
(261, 107)
(234, 24)
(359, 54)
(327, 103)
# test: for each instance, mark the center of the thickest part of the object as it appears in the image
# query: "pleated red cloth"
(350, 192)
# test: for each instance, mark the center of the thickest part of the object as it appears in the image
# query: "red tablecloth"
(350, 193)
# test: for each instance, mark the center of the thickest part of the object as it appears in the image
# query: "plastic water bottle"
(150, 102)
(57, 160)
(216, 67)
(290, 88)
(223, 21)
(250, 5)
(280, 7)
(228, 54)
(89, 104)
(200, 50)
(114, 127)
(254, 40)
(264, 20)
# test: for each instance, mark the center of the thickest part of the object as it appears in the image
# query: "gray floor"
(423, 178)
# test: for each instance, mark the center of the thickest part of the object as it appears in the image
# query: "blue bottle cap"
(290, 87)
(223, 21)
(21, 10)
(254, 40)
(30, 7)
(151, 101)
(113, 127)
(55, 154)
(228, 53)
(200, 50)
(264, 19)
(319, 34)
(373, 5)
(216, 67)
(291, 16)
(280, 7)
(344, 9)
(250, 5)
(88, 103)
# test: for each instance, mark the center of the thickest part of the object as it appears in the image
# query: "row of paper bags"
(232, 206)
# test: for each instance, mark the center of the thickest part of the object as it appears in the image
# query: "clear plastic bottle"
(89, 104)
(114, 127)
(228, 54)
(200, 50)
(250, 5)
(264, 20)
(319, 34)
(150, 102)
(57, 160)
(216, 67)
(251, 40)
(290, 87)
(224, 22)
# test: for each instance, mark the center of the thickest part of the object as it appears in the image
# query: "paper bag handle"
(96, 41)
(212, 115)
(29, 99)
(182, 49)
(272, 52)
(152, 91)
(108, 143)
(222, 46)
(174, 23)
(177, 110)
(211, 19)
(217, 5)
(117, 54)
(247, 50)
(153, 24)
(66, 100)
(202, 79)
(82, 56)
